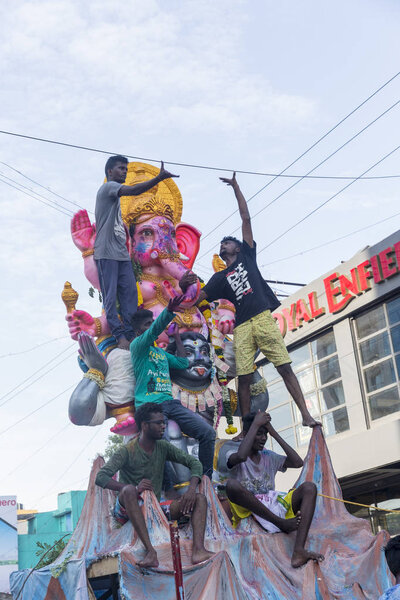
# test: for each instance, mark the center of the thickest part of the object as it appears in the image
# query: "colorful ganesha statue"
(162, 250)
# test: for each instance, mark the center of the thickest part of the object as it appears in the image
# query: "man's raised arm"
(140, 188)
(243, 209)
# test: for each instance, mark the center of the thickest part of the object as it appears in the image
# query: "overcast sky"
(243, 85)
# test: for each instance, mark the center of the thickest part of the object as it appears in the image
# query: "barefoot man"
(141, 466)
(251, 487)
(255, 329)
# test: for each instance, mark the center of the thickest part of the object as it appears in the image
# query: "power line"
(37, 409)
(310, 148)
(342, 237)
(326, 201)
(68, 214)
(196, 166)
(311, 170)
(34, 347)
(35, 373)
(42, 186)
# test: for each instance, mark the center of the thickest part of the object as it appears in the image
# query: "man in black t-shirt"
(255, 329)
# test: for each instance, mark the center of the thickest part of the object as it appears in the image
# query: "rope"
(387, 510)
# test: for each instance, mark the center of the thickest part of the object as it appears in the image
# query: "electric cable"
(35, 373)
(328, 200)
(34, 347)
(37, 409)
(24, 187)
(68, 214)
(42, 186)
(342, 237)
(311, 170)
(311, 147)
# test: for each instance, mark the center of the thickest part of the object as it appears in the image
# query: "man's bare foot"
(199, 555)
(309, 421)
(123, 343)
(150, 560)
(300, 557)
(289, 525)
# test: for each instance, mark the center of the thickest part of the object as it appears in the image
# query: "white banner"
(8, 540)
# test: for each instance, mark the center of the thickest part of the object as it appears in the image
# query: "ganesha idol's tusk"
(183, 257)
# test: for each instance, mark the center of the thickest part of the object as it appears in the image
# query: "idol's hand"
(83, 231)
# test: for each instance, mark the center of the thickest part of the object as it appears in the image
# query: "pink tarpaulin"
(249, 564)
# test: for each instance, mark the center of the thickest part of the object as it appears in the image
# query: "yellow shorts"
(260, 332)
(239, 512)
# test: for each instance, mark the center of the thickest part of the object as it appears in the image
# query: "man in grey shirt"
(114, 265)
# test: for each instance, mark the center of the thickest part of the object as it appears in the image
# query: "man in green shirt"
(141, 465)
(151, 366)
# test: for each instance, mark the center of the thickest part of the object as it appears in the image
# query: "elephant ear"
(188, 242)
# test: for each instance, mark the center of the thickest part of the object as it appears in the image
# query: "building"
(47, 526)
(343, 334)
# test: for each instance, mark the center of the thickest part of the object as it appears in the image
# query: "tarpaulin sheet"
(249, 563)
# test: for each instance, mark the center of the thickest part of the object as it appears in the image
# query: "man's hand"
(188, 279)
(263, 419)
(188, 501)
(90, 353)
(232, 182)
(145, 484)
(163, 174)
(174, 303)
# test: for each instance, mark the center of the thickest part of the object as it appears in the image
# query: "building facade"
(343, 335)
(47, 526)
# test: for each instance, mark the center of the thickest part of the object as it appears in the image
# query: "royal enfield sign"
(373, 272)
(8, 540)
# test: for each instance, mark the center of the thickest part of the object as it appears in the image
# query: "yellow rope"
(397, 512)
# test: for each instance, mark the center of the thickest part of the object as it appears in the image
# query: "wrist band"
(96, 376)
(86, 253)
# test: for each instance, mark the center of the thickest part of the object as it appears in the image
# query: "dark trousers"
(196, 427)
(117, 280)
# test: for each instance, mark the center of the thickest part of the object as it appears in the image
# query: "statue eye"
(147, 232)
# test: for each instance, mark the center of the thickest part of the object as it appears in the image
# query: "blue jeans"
(117, 280)
(196, 427)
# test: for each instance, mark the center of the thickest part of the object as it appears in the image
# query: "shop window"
(378, 335)
(317, 368)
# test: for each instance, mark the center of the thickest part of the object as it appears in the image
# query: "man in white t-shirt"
(251, 486)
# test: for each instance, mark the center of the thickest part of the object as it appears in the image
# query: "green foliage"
(48, 555)
(113, 443)
(92, 292)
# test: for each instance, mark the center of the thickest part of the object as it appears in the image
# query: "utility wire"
(24, 187)
(311, 170)
(68, 214)
(42, 186)
(35, 373)
(37, 409)
(194, 166)
(328, 200)
(34, 347)
(342, 237)
(309, 149)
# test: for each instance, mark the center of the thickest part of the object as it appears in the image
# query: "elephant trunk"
(176, 270)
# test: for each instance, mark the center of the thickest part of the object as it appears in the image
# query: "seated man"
(141, 465)
(392, 553)
(251, 490)
(151, 367)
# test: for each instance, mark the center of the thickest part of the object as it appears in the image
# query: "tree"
(113, 443)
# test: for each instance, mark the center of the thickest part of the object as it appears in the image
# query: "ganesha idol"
(163, 249)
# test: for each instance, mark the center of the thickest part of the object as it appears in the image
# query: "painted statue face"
(198, 374)
(153, 239)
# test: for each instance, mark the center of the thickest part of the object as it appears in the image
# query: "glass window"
(324, 345)
(288, 436)
(393, 309)
(384, 403)
(375, 348)
(369, 322)
(336, 421)
(317, 369)
(328, 370)
(378, 355)
(331, 396)
(379, 375)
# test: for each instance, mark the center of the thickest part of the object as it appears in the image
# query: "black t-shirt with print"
(243, 284)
